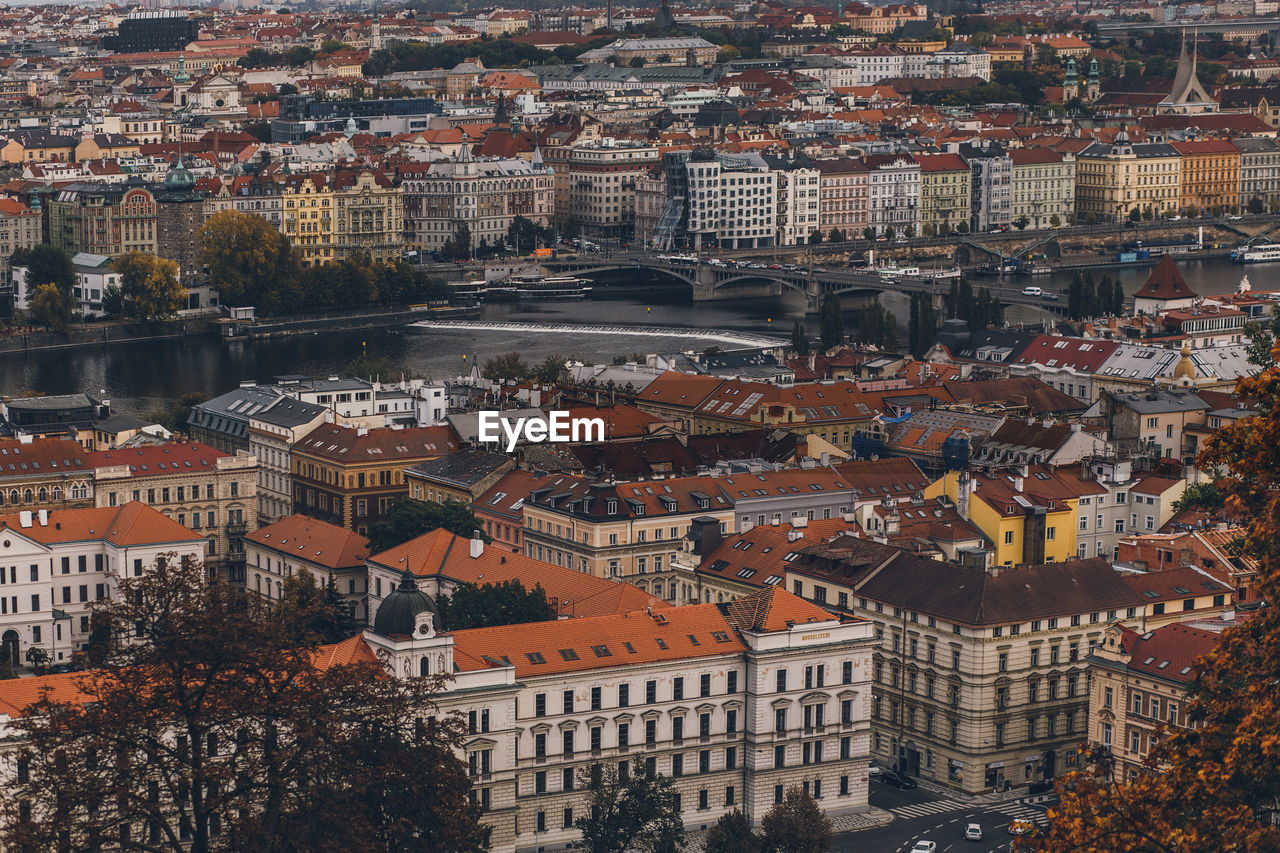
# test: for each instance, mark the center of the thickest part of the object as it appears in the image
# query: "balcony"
(237, 528)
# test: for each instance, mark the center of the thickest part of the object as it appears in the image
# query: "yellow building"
(1209, 177)
(1028, 513)
(944, 192)
(368, 216)
(308, 217)
(1114, 179)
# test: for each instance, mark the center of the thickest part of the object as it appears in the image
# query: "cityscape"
(714, 427)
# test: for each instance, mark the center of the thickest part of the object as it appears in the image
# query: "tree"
(173, 417)
(507, 366)
(1135, 215)
(868, 233)
(796, 825)
(1200, 496)
(637, 62)
(246, 257)
(922, 329)
(258, 57)
(832, 322)
(411, 518)
(1214, 784)
(1262, 338)
(799, 340)
(47, 264)
(207, 729)
(1256, 205)
(1021, 223)
(524, 235)
(112, 300)
(1054, 220)
(632, 810)
(298, 56)
(815, 236)
(505, 603)
(38, 658)
(548, 370)
(310, 610)
(458, 247)
(49, 306)
(149, 286)
(835, 236)
(732, 833)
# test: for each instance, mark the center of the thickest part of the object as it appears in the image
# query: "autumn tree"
(50, 283)
(490, 604)
(1214, 786)
(411, 518)
(49, 306)
(246, 256)
(632, 810)
(796, 825)
(149, 287)
(508, 365)
(206, 729)
(311, 609)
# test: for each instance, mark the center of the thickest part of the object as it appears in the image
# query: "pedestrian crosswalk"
(1018, 809)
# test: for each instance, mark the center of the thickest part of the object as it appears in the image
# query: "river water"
(139, 377)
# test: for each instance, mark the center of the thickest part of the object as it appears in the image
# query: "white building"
(799, 202)
(57, 563)
(733, 200)
(893, 197)
(93, 276)
(734, 703)
(956, 61)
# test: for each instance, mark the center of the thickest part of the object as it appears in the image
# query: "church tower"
(1093, 86)
(1070, 81)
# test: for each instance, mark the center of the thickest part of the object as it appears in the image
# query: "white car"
(973, 832)
(925, 847)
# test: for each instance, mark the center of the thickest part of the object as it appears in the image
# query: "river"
(140, 377)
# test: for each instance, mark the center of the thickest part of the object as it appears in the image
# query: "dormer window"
(611, 507)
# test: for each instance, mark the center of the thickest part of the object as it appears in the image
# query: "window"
(650, 692)
(624, 695)
(732, 686)
(540, 705)
(779, 756)
(705, 684)
(568, 701)
(780, 719)
(782, 680)
(677, 688)
(597, 700)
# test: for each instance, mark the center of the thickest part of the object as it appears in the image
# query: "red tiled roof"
(129, 525)
(1165, 282)
(314, 541)
(162, 459)
(1169, 652)
(360, 446)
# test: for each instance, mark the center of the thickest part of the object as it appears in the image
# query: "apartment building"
(272, 432)
(690, 52)
(44, 473)
(1119, 502)
(1209, 175)
(735, 703)
(595, 184)
(58, 562)
(368, 216)
(307, 220)
(1028, 512)
(207, 491)
(462, 476)
(352, 476)
(1113, 179)
(1154, 421)
(20, 228)
(944, 193)
(620, 530)
(294, 544)
(485, 194)
(733, 200)
(1044, 187)
(990, 185)
(980, 679)
(893, 194)
(843, 193)
(1141, 683)
(103, 219)
(799, 200)
(1259, 171)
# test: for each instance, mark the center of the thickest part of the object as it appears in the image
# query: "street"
(923, 815)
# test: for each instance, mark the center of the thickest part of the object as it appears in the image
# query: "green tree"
(868, 233)
(173, 416)
(47, 264)
(1256, 205)
(458, 247)
(487, 605)
(311, 612)
(524, 235)
(1262, 339)
(112, 300)
(507, 366)
(922, 329)
(835, 236)
(831, 318)
(548, 370)
(411, 518)
(732, 833)
(38, 658)
(149, 286)
(799, 340)
(207, 729)
(247, 258)
(637, 62)
(796, 825)
(258, 57)
(298, 56)
(1200, 496)
(815, 236)
(637, 810)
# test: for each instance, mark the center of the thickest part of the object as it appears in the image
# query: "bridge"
(1246, 28)
(711, 282)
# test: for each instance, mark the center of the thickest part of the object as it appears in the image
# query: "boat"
(529, 286)
(890, 271)
(935, 274)
(1259, 253)
(1007, 268)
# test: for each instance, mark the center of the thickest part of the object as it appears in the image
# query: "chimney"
(1017, 483)
(361, 432)
(477, 547)
(24, 518)
(964, 488)
(704, 533)
(43, 515)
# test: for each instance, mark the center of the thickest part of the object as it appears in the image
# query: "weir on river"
(726, 336)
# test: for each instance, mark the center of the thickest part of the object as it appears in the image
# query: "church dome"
(398, 613)
(179, 178)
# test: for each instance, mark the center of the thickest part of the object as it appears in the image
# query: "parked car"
(874, 771)
(899, 780)
(925, 847)
(1044, 786)
(973, 832)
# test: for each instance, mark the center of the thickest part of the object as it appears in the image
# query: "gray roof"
(121, 423)
(1159, 401)
(288, 412)
(60, 401)
(229, 413)
(464, 468)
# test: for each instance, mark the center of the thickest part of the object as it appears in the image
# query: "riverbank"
(108, 334)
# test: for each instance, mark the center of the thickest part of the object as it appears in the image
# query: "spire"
(537, 158)
(1069, 78)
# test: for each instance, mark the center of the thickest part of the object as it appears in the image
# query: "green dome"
(398, 613)
(179, 178)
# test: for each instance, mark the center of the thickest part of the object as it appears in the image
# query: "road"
(922, 815)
